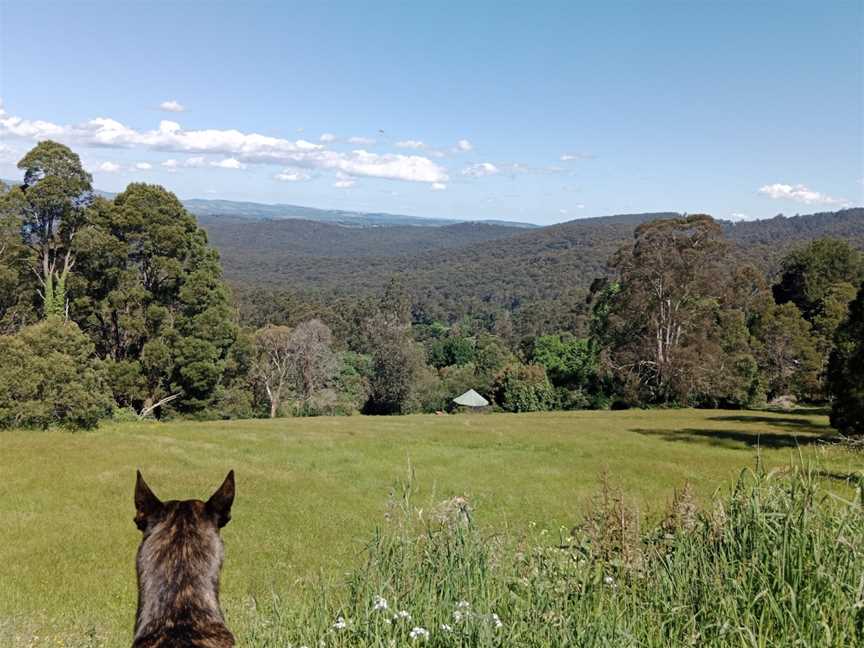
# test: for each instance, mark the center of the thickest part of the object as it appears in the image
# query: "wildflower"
(446, 628)
(402, 614)
(379, 603)
(463, 605)
(496, 621)
(609, 580)
(340, 624)
(418, 633)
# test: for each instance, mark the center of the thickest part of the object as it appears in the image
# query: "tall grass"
(779, 561)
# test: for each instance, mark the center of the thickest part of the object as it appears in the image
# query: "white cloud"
(171, 164)
(228, 163)
(365, 141)
(464, 145)
(480, 170)
(327, 137)
(412, 144)
(291, 176)
(172, 106)
(246, 148)
(797, 193)
(738, 216)
(109, 167)
(143, 166)
(438, 186)
(343, 184)
(568, 157)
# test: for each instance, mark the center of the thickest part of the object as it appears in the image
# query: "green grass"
(312, 491)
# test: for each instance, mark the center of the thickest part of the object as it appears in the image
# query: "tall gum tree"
(54, 199)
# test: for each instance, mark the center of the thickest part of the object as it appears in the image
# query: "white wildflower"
(402, 614)
(340, 624)
(419, 633)
(446, 628)
(609, 580)
(379, 603)
(496, 621)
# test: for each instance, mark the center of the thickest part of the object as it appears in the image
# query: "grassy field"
(310, 492)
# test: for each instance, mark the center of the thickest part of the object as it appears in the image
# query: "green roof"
(471, 399)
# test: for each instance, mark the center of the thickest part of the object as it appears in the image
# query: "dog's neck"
(178, 579)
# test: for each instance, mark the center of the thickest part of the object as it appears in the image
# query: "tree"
(149, 292)
(569, 361)
(53, 200)
(787, 355)
(314, 365)
(273, 364)
(16, 303)
(48, 376)
(657, 325)
(846, 371)
(396, 358)
(809, 273)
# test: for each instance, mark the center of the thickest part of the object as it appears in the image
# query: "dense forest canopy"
(117, 306)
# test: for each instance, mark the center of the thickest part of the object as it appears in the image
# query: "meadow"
(312, 492)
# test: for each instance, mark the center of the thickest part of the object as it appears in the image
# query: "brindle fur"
(178, 567)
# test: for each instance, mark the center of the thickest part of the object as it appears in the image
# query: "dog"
(178, 566)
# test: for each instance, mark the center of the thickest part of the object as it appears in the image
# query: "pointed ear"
(219, 504)
(146, 503)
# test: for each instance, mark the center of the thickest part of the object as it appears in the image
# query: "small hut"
(471, 400)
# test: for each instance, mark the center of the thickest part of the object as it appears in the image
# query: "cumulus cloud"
(412, 144)
(464, 145)
(480, 170)
(327, 137)
(172, 106)
(228, 163)
(246, 148)
(438, 186)
(291, 176)
(363, 141)
(797, 193)
(143, 166)
(109, 167)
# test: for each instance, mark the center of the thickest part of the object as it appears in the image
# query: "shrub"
(524, 388)
(48, 376)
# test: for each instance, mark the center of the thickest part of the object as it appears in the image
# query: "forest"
(118, 308)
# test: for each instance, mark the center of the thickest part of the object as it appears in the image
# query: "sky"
(523, 111)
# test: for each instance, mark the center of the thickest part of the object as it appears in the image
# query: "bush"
(524, 388)
(48, 376)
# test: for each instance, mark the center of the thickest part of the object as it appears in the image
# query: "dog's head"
(182, 529)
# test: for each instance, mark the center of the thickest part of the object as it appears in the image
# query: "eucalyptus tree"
(53, 200)
(660, 318)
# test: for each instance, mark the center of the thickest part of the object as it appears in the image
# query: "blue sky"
(538, 112)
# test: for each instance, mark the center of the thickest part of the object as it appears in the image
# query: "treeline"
(117, 308)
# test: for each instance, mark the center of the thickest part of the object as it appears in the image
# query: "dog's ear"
(146, 503)
(219, 504)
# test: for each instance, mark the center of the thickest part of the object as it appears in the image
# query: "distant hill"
(259, 211)
(239, 211)
(452, 267)
(295, 237)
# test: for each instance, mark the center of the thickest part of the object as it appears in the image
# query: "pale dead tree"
(313, 362)
(273, 363)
